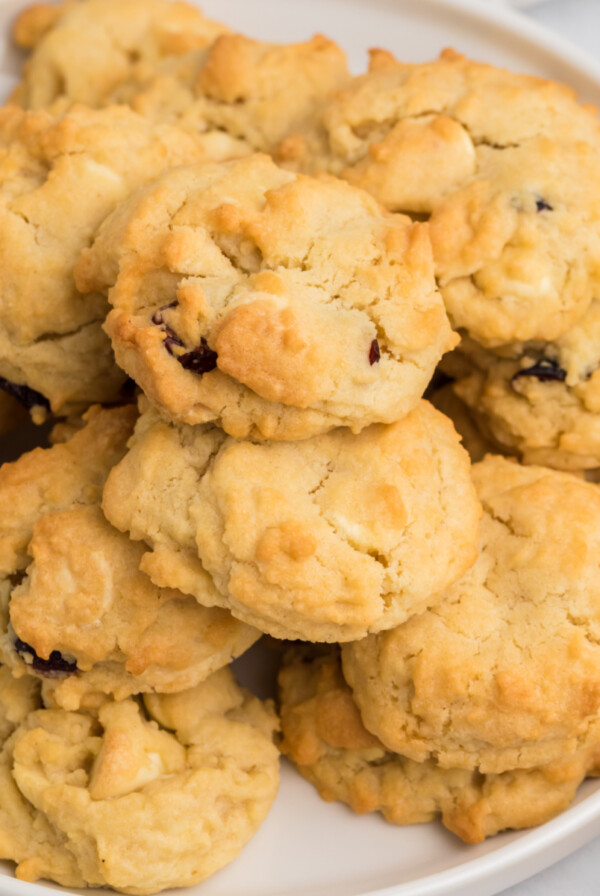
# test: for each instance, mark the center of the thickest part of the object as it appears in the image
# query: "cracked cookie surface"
(277, 305)
(504, 672)
(187, 780)
(507, 167)
(350, 533)
(82, 614)
(84, 602)
(324, 736)
(239, 86)
(59, 178)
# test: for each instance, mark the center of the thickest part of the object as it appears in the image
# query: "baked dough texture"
(324, 736)
(539, 400)
(277, 305)
(170, 63)
(47, 480)
(138, 798)
(82, 51)
(504, 673)
(85, 602)
(240, 86)
(323, 540)
(60, 175)
(506, 165)
(82, 614)
(18, 697)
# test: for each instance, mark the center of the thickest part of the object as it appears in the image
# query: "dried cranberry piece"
(543, 206)
(56, 666)
(29, 398)
(374, 353)
(171, 341)
(200, 360)
(545, 370)
(157, 317)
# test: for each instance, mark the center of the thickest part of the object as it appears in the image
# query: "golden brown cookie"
(277, 305)
(508, 168)
(324, 539)
(18, 697)
(83, 50)
(59, 178)
(540, 400)
(83, 614)
(138, 799)
(504, 672)
(86, 618)
(46, 480)
(252, 90)
(324, 736)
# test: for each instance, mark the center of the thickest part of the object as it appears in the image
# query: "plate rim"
(533, 844)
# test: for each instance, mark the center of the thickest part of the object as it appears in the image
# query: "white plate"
(307, 846)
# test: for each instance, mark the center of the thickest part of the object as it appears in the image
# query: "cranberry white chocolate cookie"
(138, 799)
(540, 400)
(324, 539)
(504, 673)
(82, 614)
(506, 165)
(324, 736)
(47, 480)
(86, 618)
(170, 63)
(18, 697)
(252, 90)
(59, 178)
(82, 51)
(278, 306)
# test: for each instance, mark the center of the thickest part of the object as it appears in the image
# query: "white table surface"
(579, 874)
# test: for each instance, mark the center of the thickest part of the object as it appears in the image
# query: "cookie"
(86, 618)
(59, 178)
(47, 480)
(504, 673)
(517, 249)
(83, 51)
(253, 90)
(506, 165)
(277, 305)
(325, 738)
(540, 400)
(322, 540)
(18, 697)
(138, 799)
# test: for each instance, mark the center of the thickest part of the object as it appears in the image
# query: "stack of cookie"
(236, 306)
(486, 708)
(506, 167)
